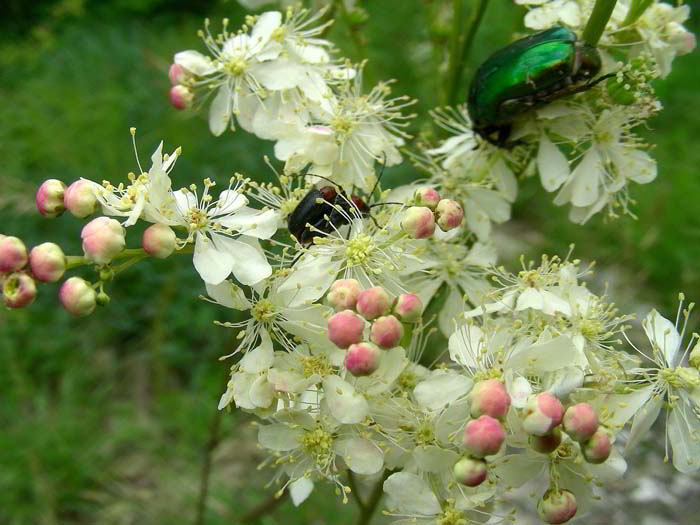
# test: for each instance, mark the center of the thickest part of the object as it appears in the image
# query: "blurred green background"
(109, 419)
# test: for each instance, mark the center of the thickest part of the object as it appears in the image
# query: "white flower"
(672, 384)
(147, 196)
(552, 13)
(225, 234)
(343, 141)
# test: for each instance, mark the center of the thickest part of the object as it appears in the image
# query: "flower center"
(197, 219)
(343, 126)
(263, 309)
(425, 435)
(359, 249)
(681, 377)
(451, 516)
(318, 443)
(236, 66)
(317, 364)
(591, 328)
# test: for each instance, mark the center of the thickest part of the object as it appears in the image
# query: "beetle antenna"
(320, 177)
(381, 173)
(383, 203)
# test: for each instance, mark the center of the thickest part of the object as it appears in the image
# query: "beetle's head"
(588, 63)
(329, 193)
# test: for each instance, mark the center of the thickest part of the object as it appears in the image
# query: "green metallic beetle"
(527, 74)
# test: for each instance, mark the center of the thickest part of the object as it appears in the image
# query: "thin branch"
(212, 443)
(264, 508)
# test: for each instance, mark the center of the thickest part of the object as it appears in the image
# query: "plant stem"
(637, 8)
(263, 508)
(462, 43)
(212, 443)
(602, 10)
(368, 508)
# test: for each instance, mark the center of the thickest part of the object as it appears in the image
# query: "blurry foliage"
(105, 419)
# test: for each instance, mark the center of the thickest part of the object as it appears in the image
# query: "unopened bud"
(177, 74)
(489, 397)
(449, 214)
(386, 331)
(159, 240)
(598, 448)
(103, 238)
(580, 421)
(102, 299)
(373, 302)
(344, 293)
(484, 436)
(47, 261)
(418, 222)
(18, 290)
(13, 254)
(362, 359)
(546, 444)
(557, 506)
(77, 296)
(345, 328)
(543, 412)
(428, 197)
(181, 97)
(408, 307)
(470, 471)
(79, 198)
(49, 198)
(694, 357)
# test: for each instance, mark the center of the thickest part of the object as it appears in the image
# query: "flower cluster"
(334, 284)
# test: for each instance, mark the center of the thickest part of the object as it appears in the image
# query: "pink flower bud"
(79, 199)
(419, 222)
(159, 241)
(580, 421)
(543, 412)
(103, 238)
(449, 214)
(484, 436)
(557, 506)
(18, 290)
(362, 359)
(373, 302)
(345, 328)
(181, 97)
(47, 261)
(408, 307)
(13, 254)
(428, 197)
(49, 198)
(547, 443)
(598, 448)
(78, 297)
(386, 332)
(343, 294)
(489, 397)
(470, 471)
(177, 74)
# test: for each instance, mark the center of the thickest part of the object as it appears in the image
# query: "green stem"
(637, 8)
(74, 261)
(602, 10)
(462, 43)
(370, 506)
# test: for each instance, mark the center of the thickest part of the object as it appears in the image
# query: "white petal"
(643, 421)
(264, 27)
(195, 62)
(519, 390)
(441, 388)
(639, 166)
(552, 165)
(249, 266)
(230, 201)
(586, 179)
(261, 392)
(451, 309)
(434, 459)
(621, 407)
(300, 489)
(255, 223)
(466, 345)
(228, 294)
(663, 334)
(212, 265)
(279, 437)
(547, 356)
(563, 381)
(409, 494)
(344, 403)
(505, 180)
(220, 111)
(391, 365)
(312, 275)
(515, 470)
(611, 469)
(361, 455)
(684, 435)
(530, 298)
(261, 357)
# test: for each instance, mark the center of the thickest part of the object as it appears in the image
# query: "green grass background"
(106, 419)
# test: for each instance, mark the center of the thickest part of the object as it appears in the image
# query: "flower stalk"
(599, 18)
(461, 44)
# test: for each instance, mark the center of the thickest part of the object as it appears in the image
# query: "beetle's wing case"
(307, 211)
(533, 64)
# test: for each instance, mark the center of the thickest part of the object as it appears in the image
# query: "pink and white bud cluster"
(18, 288)
(484, 436)
(181, 96)
(79, 199)
(47, 262)
(159, 241)
(489, 397)
(356, 309)
(545, 418)
(428, 197)
(557, 506)
(418, 222)
(13, 254)
(78, 297)
(449, 214)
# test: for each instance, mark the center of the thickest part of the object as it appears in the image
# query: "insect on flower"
(529, 73)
